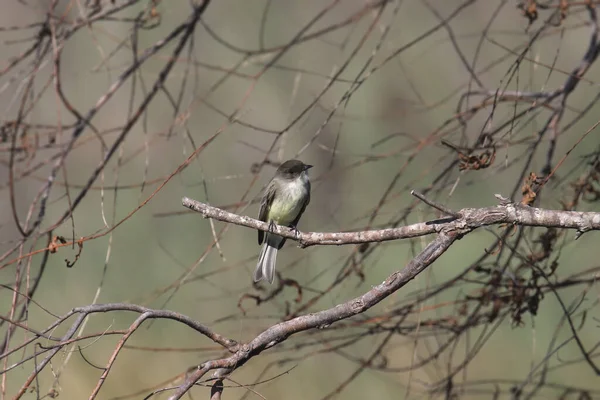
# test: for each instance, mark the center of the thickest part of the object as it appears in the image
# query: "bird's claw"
(271, 226)
(294, 228)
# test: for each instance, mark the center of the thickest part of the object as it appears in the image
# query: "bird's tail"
(265, 268)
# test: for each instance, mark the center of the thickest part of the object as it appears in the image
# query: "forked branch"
(448, 230)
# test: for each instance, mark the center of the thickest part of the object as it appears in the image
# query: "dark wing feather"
(265, 205)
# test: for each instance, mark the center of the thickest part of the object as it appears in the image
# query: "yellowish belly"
(287, 204)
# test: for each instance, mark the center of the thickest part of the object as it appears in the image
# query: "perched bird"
(283, 203)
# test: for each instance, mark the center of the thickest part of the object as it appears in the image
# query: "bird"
(283, 203)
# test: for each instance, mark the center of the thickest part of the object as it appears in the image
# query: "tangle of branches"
(410, 280)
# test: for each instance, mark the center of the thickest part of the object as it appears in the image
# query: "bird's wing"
(265, 205)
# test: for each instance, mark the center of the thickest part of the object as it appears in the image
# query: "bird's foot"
(296, 231)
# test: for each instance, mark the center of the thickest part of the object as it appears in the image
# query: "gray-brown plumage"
(283, 203)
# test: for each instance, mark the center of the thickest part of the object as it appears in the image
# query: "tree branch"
(469, 219)
(322, 319)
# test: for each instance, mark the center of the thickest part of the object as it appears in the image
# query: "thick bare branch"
(323, 319)
(470, 219)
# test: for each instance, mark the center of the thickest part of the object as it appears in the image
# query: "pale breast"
(289, 201)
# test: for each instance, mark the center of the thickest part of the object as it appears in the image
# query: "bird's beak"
(307, 167)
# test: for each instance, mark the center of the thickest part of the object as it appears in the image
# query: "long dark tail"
(265, 268)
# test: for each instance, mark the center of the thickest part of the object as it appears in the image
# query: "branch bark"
(468, 220)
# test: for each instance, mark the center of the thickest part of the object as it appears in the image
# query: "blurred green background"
(380, 139)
